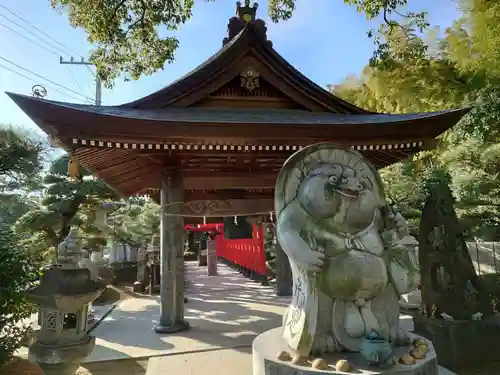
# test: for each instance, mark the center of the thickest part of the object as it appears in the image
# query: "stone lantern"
(64, 296)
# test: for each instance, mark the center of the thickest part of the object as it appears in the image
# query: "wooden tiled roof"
(227, 142)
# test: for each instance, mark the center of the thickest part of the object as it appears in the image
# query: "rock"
(283, 355)
(343, 366)
(298, 360)
(417, 354)
(407, 360)
(319, 364)
(423, 348)
(419, 342)
(138, 287)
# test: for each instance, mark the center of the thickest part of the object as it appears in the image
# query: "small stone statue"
(69, 251)
(351, 255)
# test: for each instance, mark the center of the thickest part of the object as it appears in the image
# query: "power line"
(44, 78)
(76, 81)
(29, 40)
(37, 29)
(98, 83)
(44, 33)
(32, 33)
(48, 50)
(32, 80)
(40, 31)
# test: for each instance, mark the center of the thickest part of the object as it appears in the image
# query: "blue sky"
(326, 42)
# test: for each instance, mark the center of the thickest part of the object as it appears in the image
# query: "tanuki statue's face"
(336, 194)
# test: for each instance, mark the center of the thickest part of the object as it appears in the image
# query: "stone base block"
(202, 259)
(138, 287)
(461, 342)
(266, 346)
(61, 360)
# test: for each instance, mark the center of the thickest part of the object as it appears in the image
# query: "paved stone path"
(226, 313)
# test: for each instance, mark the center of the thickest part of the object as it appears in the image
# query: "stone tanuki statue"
(351, 255)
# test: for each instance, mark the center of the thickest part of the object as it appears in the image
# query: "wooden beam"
(219, 208)
(227, 194)
(217, 153)
(228, 181)
(201, 181)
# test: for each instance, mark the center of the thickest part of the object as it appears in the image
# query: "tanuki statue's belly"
(353, 275)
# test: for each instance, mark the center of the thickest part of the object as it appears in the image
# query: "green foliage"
(65, 203)
(136, 37)
(133, 221)
(433, 73)
(20, 159)
(16, 276)
(484, 119)
(128, 33)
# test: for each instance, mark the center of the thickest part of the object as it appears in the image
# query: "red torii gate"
(247, 253)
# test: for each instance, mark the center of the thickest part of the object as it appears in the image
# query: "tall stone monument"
(451, 288)
(351, 258)
(211, 257)
(140, 283)
(64, 296)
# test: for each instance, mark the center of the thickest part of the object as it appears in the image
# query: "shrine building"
(212, 142)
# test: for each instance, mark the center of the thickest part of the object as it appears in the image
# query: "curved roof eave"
(70, 116)
(248, 37)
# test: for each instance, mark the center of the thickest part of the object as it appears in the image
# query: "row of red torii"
(248, 254)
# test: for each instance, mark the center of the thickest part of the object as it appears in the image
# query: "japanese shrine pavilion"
(217, 137)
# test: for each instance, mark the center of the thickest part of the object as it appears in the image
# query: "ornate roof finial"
(246, 17)
(246, 13)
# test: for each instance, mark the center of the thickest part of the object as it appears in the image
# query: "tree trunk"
(68, 216)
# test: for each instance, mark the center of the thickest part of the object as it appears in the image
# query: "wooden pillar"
(211, 258)
(284, 281)
(171, 260)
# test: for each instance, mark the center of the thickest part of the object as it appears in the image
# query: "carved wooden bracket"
(220, 208)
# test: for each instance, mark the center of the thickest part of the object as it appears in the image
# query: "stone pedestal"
(461, 342)
(211, 258)
(284, 280)
(171, 259)
(63, 360)
(268, 344)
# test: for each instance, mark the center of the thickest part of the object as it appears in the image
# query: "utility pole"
(72, 61)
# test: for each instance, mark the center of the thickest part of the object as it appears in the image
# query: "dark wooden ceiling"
(206, 175)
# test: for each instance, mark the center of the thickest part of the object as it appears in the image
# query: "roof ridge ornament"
(247, 13)
(246, 16)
